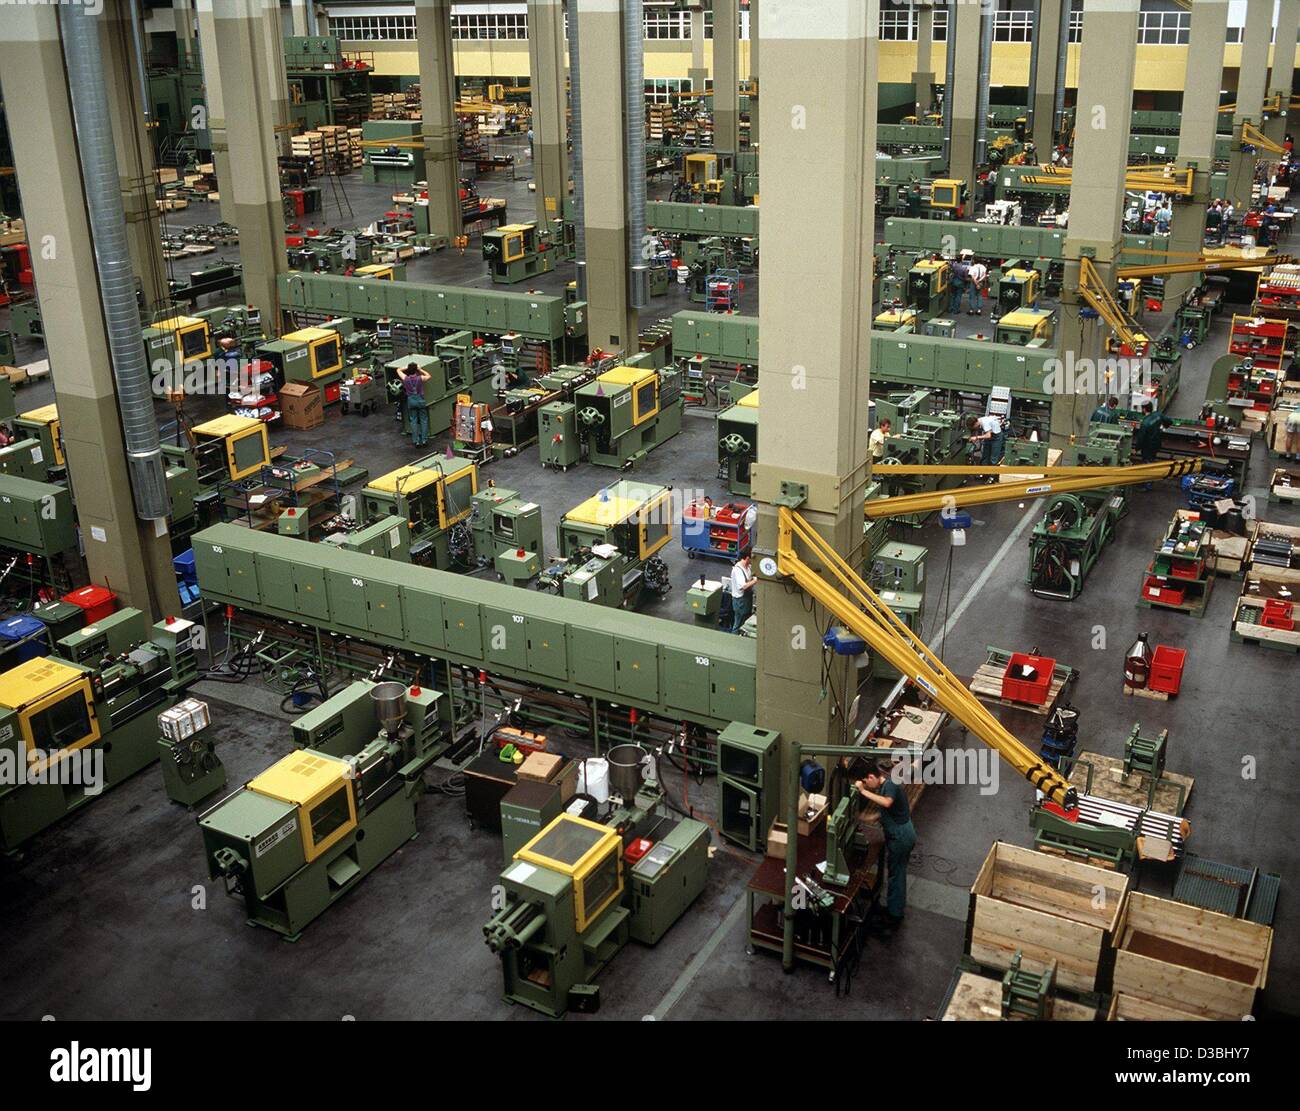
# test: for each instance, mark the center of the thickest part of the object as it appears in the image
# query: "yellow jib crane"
(1163, 180)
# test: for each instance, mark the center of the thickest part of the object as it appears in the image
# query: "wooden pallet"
(1109, 782)
(986, 685)
(1262, 641)
(1145, 692)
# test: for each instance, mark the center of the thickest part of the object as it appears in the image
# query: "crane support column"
(1102, 123)
(923, 75)
(699, 71)
(214, 107)
(438, 112)
(726, 77)
(130, 556)
(1252, 81)
(816, 349)
(1197, 133)
(1282, 75)
(754, 43)
(1046, 47)
(550, 108)
(965, 39)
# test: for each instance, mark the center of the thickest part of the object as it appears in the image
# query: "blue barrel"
(23, 637)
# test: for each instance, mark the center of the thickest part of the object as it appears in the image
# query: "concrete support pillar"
(246, 82)
(923, 76)
(1047, 44)
(216, 111)
(1196, 134)
(612, 323)
(1282, 75)
(438, 105)
(549, 120)
(1102, 125)
(699, 71)
(726, 80)
(299, 17)
(753, 73)
(127, 555)
(135, 161)
(965, 93)
(272, 58)
(1252, 81)
(183, 14)
(816, 348)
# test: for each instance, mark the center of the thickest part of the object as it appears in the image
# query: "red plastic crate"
(1167, 669)
(1155, 590)
(97, 601)
(1278, 615)
(1033, 691)
(333, 392)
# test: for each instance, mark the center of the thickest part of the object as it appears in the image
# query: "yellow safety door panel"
(654, 515)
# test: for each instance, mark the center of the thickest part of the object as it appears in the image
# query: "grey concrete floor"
(122, 885)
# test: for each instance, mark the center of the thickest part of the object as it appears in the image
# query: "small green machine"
(627, 412)
(192, 770)
(36, 518)
(608, 546)
(738, 443)
(578, 891)
(507, 532)
(75, 724)
(1017, 289)
(433, 496)
(927, 287)
(1027, 327)
(559, 444)
(172, 343)
(392, 152)
(921, 439)
(517, 252)
(1069, 539)
(303, 833)
(388, 536)
(6, 348)
(307, 356)
(456, 367)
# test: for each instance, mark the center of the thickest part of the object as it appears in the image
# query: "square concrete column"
(1103, 120)
(272, 58)
(214, 105)
(183, 16)
(754, 42)
(1252, 82)
(923, 75)
(550, 107)
(1196, 134)
(135, 159)
(299, 17)
(726, 81)
(965, 39)
(1282, 75)
(131, 557)
(1046, 48)
(612, 324)
(815, 313)
(248, 85)
(699, 71)
(438, 109)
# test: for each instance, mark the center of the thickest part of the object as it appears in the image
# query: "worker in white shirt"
(977, 278)
(987, 431)
(741, 588)
(879, 435)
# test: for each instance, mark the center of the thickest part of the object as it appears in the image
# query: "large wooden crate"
(978, 998)
(1191, 959)
(1129, 1008)
(1048, 908)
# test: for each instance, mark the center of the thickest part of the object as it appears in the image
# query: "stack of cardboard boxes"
(302, 405)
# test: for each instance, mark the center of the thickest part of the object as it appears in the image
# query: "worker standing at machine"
(987, 431)
(900, 837)
(741, 589)
(1107, 412)
(417, 407)
(1293, 434)
(1147, 438)
(879, 435)
(977, 276)
(912, 198)
(960, 273)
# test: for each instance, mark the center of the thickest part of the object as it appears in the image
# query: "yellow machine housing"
(590, 854)
(513, 238)
(945, 193)
(246, 446)
(411, 479)
(320, 786)
(644, 384)
(623, 503)
(700, 168)
(1025, 326)
(1028, 281)
(45, 423)
(749, 401)
(382, 272)
(55, 706)
(193, 337)
(325, 348)
(894, 319)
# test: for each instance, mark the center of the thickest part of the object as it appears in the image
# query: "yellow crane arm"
(1098, 295)
(1175, 182)
(1082, 478)
(1207, 264)
(1250, 134)
(855, 605)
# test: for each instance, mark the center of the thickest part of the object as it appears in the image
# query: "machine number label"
(703, 661)
(217, 549)
(272, 839)
(517, 618)
(358, 582)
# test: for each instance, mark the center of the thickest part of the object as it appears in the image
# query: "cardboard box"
(777, 840)
(543, 766)
(812, 813)
(301, 405)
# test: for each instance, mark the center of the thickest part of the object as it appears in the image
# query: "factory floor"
(110, 914)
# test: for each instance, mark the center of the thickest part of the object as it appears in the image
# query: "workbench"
(830, 938)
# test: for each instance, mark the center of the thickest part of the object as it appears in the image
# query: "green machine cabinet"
(6, 348)
(527, 808)
(749, 771)
(901, 566)
(557, 435)
(36, 517)
(665, 881)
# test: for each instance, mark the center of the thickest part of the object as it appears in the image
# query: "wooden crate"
(979, 999)
(1048, 908)
(1129, 1008)
(1194, 960)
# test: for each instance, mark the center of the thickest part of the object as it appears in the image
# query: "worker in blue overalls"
(880, 787)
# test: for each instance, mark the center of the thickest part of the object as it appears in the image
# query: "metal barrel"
(389, 701)
(625, 770)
